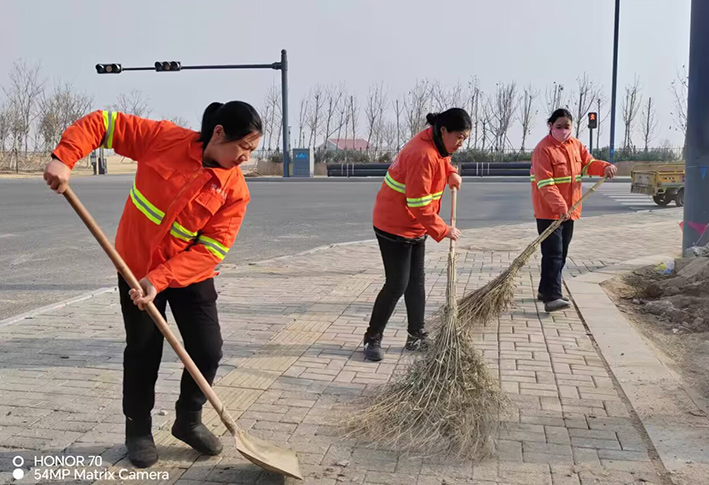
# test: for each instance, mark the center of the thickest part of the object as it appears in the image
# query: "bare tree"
(583, 101)
(398, 109)
(456, 96)
(649, 120)
(133, 103)
(416, 105)
(680, 95)
(374, 112)
(555, 98)
(500, 111)
(443, 98)
(527, 112)
(58, 111)
(315, 114)
(23, 95)
(265, 118)
(274, 118)
(4, 127)
(302, 121)
(333, 100)
(344, 116)
(389, 135)
(354, 116)
(474, 94)
(630, 108)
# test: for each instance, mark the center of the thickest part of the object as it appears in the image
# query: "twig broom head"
(446, 402)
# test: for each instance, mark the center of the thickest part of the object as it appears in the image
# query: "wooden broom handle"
(454, 207)
(152, 310)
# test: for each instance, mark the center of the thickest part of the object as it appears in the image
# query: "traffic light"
(109, 68)
(593, 120)
(168, 66)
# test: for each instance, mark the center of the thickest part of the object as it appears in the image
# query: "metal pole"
(590, 130)
(615, 79)
(598, 130)
(696, 208)
(284, 99)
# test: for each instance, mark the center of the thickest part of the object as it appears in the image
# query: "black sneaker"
(556, 305)
(373, 347)
(417, 340)
(540, 297)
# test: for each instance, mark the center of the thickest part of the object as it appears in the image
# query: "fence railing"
(386, 155)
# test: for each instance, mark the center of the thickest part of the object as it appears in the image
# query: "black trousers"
(554, 251)
(404, 269)
(195, 311)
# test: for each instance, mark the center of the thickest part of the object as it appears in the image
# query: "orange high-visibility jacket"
(409, 199)
(557, 169)
(180, 219)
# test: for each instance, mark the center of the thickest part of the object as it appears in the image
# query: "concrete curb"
(55, 306)
(669, 411)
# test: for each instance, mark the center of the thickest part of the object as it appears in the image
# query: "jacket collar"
(428, 136)
(223, 175)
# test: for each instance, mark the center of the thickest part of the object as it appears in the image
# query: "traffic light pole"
(696, 208)
(175, 66)
(592, 125)
(614, 89)
(284, 112)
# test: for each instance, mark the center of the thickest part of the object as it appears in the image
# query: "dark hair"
(238, 119)
(560, 113)
(454, 119)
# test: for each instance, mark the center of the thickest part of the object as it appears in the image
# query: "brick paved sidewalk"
(292, 328)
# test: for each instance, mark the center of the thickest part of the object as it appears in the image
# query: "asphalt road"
(47, 255)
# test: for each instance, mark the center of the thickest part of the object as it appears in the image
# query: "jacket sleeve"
(419, 196)
(544, 177)
(199, 260)
(450, 168)
(128, 135)
(590, 165)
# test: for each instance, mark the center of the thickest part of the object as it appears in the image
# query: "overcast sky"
(360, 42)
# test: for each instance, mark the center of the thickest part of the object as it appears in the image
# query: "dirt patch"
(671, 308)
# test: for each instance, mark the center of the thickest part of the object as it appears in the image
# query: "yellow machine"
(663, 181)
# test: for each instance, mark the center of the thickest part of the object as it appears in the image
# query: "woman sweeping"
(179, 221)
(558, 163)
(405, 213)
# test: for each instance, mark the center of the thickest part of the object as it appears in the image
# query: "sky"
(358, 42)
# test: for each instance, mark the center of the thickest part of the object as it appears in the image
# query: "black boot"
(373, 347)
(188, 427)
(139, 441)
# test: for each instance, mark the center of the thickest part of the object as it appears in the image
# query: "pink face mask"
(560, 135)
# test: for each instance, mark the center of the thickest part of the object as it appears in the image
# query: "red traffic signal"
(593, 120)
(168, 66)
(109, 68)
